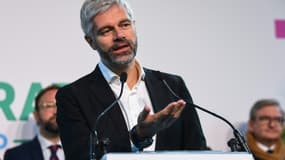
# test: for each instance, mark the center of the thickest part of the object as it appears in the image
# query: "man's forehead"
(48, 94)
(115, 11)
(270, 109)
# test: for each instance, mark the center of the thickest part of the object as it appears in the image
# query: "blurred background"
(230, 54)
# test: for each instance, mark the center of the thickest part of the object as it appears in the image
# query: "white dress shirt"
(133, 100)
(45, 143)
(264, 147)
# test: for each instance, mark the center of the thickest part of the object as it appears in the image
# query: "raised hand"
(149, 124)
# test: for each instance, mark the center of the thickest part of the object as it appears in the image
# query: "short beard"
(51, 128)
(109, 61)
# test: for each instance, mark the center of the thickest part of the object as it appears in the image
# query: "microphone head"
(123, 77)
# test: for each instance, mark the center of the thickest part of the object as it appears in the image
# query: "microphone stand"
(97, 147)
(236, 144)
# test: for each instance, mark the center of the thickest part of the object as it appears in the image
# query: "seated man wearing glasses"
(46, 145)
(264, 130)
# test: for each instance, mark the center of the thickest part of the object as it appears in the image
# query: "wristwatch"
(140, 143)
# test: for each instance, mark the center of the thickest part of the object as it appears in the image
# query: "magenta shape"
(280, 28)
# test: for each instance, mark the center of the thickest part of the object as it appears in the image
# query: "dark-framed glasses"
(270, 120)
(48, 105)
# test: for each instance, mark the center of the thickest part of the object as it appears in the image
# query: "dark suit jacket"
(80, 102)
(27, 151)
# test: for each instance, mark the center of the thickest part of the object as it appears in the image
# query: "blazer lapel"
(36, 151)
(106, 97)
(158, 93)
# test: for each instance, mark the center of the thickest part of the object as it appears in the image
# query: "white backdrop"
(225, 50)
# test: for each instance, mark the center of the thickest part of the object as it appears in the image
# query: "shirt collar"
(264, 147)
(45, 143)
(111, 76)
(107, 73)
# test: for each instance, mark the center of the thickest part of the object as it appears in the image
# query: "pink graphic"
(280, 28)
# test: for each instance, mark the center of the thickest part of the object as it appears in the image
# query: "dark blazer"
(27, 151)
(80, 102)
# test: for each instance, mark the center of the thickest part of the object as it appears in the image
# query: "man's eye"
(125, 25)
(105, 32)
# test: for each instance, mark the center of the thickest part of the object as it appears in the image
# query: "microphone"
(94, 140)
(239, 139)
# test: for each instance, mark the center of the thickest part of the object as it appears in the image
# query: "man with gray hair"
(148, 115)
(264, 130)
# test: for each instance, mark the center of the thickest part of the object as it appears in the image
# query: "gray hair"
(264, 103)
(91, 8)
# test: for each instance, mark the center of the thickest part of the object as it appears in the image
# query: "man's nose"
(272, 123)
(119, 34)
(54, 109)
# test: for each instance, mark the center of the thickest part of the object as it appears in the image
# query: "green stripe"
(21, 140)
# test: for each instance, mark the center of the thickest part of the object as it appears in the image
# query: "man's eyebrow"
(125, 20)
(98, 30)
(103, 27)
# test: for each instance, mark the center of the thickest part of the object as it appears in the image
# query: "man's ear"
(36, 116)
(91, 42)
(250, 124)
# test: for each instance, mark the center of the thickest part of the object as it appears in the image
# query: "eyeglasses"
(270, 120)
(48, 105)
